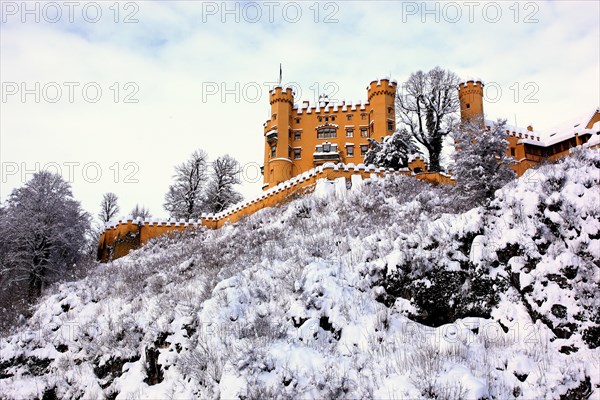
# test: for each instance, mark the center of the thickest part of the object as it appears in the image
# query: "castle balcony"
(271, 136)
(326, 157)
(326, 152)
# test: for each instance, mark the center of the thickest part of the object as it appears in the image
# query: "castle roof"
(558, 133)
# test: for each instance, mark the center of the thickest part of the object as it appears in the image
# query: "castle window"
(349, 116)
(364, 133)
(390, 110)
(273, 150)
(326, 147)
(326, 119)
(349, 132)
(390, 126)
(297, 120)
(363, 116)
(297, 154)
(320, 119)
(326, 133)
(297, 135)
(468, 105)
(512, 151)
(333, 118)
(363, 149)
(350, 151)
(274, 117)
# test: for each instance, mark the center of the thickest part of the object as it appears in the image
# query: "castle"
(527, 146)
(301, 137)
(308, 144)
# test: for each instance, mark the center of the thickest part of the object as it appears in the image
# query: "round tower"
(381, 94)
(470, 95)
(278, 163)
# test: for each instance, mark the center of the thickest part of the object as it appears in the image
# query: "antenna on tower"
(280, 74)
(516, 121)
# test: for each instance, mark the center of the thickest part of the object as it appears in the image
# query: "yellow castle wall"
(118, 241)
(289, 121)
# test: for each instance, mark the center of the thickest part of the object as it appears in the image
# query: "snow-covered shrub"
(322, 297)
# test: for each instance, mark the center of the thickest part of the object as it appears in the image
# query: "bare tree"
(220, 192)
(44, 232)
(427, 106)
(140, 212)
(184, 198)
(109, 207)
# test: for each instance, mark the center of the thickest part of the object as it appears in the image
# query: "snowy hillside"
(392, 291)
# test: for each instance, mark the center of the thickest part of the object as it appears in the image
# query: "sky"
(113, 95)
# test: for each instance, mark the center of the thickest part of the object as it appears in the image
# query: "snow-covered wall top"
(295, 181)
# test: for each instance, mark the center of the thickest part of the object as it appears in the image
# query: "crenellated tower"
(278, 164)
(470, 95)
(382, 116)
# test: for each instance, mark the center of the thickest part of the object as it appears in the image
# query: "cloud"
(176, 48)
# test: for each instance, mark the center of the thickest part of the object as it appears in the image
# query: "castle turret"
(470, 94)
(278, 163)
(382, 116)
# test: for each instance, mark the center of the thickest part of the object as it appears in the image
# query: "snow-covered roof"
(558, 133)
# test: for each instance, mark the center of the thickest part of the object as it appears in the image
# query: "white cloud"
(175, 49)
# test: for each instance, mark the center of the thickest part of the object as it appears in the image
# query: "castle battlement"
(308, 143)
(126, 233)
(471, 82)
(302, 136)
(379, 87)
(281, 94)
(331, 107)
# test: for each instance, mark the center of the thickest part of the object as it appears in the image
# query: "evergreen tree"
(481, 165)
(393, 151)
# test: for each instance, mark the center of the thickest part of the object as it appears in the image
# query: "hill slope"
(388, 292)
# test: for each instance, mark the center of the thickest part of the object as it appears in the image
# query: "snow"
(558, 133)
(287, 303)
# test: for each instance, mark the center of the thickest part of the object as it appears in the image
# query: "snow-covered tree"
(109, 207)
(481, 165)
(393, 151)
(426, 105)
(44, 233)
(184, 198)
(220, 191)
(140, 212)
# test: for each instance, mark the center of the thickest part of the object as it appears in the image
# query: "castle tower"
(382, 117)
(278, 164)
(470, 94)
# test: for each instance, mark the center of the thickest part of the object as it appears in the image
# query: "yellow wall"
(285, 176)
(289, 120)
(470, 95)
(119, 240)
(527, 155)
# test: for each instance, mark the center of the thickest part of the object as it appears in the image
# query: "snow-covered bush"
(387, 293)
